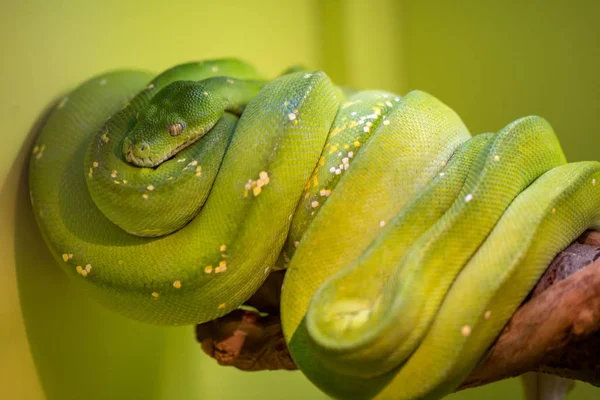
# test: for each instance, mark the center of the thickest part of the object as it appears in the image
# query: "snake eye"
(176, 129)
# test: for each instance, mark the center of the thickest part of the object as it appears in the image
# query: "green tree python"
(408, 243)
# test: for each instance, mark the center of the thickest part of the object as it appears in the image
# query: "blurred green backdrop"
(491, 61)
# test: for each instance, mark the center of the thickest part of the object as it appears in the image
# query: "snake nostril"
(141, 150)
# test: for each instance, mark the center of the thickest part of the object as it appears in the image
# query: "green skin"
(408, 243)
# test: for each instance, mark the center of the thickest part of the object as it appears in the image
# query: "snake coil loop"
(408, 243)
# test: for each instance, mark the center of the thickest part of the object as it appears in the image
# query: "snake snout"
(138, 151)
(141, 150)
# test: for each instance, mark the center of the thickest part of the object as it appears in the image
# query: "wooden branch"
(263, 346)
(556, 330)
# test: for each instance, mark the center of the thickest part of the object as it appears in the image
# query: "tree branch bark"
(556, 330)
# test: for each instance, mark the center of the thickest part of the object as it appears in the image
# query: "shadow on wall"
(82, 351)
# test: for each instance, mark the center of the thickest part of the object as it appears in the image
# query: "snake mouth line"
(150, 162)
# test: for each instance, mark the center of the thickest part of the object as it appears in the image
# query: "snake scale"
(408, 243)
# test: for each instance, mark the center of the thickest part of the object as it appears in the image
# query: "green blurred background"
(491, 61)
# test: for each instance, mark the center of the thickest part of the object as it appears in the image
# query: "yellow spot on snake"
(88, 268)
(496, 158)
(386, 122)
(554, 211)
(466, 330)
(214, 69)
(223, 247)
(150, 187)
(40, 153)
(155, 295)
(222, 305)
(125, 181)
(487, 314)
(145, 196)
(296, 243)
(84, 273)
(150, 86)
(444, 163)
(79, 269)
(177, 284)
(336, 131)
(105, 138)
(95, 164)
(325, 192)
(222, 267)
(292, 116)
(91, 172)
(181, 160)
(36, 149)
(205, 93)
(594, 182)
(65, 257)
(352, 124)
(257, 185)
(117, 182)
(469, 198)
(382, 223)
(314, 204)
(208, 269)
(356, 143)
(113, 174)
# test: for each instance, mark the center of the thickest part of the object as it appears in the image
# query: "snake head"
(176, 117)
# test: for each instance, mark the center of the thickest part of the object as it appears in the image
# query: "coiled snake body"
(408, 243)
